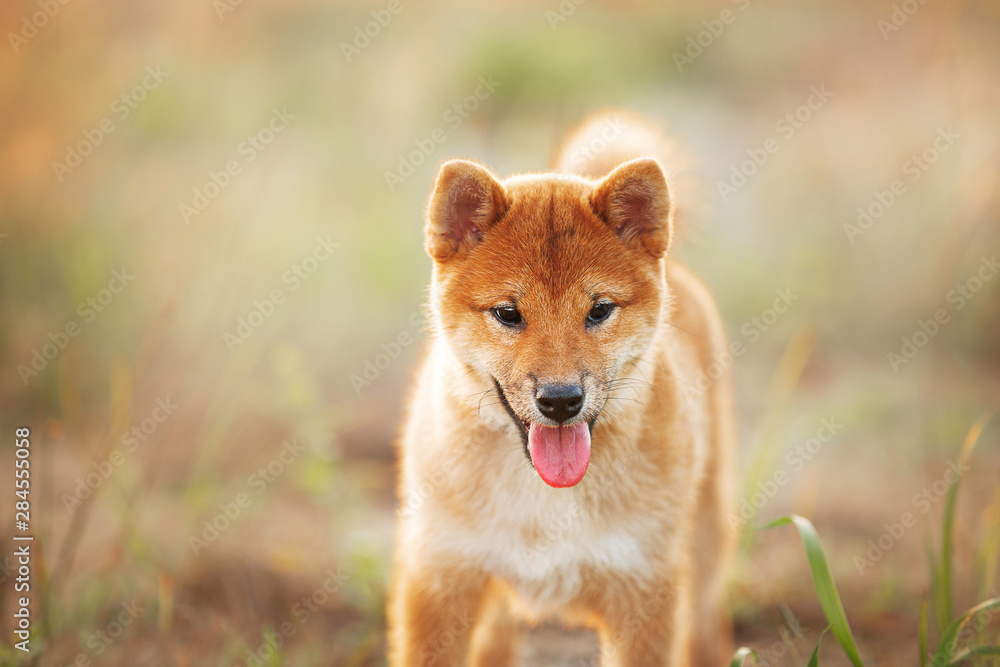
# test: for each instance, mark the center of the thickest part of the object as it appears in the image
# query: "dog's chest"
(542, 542)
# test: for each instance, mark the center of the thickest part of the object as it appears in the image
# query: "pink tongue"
(561, 454)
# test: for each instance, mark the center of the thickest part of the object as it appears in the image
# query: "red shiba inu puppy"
(566, 453)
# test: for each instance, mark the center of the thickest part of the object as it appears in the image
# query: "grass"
(741, 655)
(950, 629)
(826, 588)
(941, 574)
(780, 392)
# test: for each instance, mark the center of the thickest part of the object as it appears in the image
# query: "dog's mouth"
(559, 454)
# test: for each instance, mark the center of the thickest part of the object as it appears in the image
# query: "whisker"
(479, 409)
(479, 393)
(683, 330)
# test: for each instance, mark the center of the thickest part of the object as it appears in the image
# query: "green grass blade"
(780, 392)
(967, 653)
(826, 588)
(923, 634)
(949, 639)
(742, 655)
(814, 660)
(988, 557)
(934, 566)
(943, 585)
(943, 599)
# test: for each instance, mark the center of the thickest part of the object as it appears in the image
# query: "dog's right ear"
(465, 202)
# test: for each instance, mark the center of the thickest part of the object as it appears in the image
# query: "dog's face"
(549, 285)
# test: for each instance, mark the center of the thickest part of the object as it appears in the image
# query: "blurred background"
(212, 279)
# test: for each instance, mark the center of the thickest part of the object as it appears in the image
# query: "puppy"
(567, 453)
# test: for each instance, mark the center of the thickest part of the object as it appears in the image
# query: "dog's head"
(549, 285)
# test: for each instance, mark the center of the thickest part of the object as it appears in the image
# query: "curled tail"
(606, 139)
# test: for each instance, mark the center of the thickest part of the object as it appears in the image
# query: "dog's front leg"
(646, 628)
(433, 613)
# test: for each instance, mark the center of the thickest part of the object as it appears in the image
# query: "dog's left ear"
(465, 202)
(635, 202)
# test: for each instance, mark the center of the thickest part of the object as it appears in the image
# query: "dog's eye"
(507, 315)
(599, 313)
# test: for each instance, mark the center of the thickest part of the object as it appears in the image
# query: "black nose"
(559, 402)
